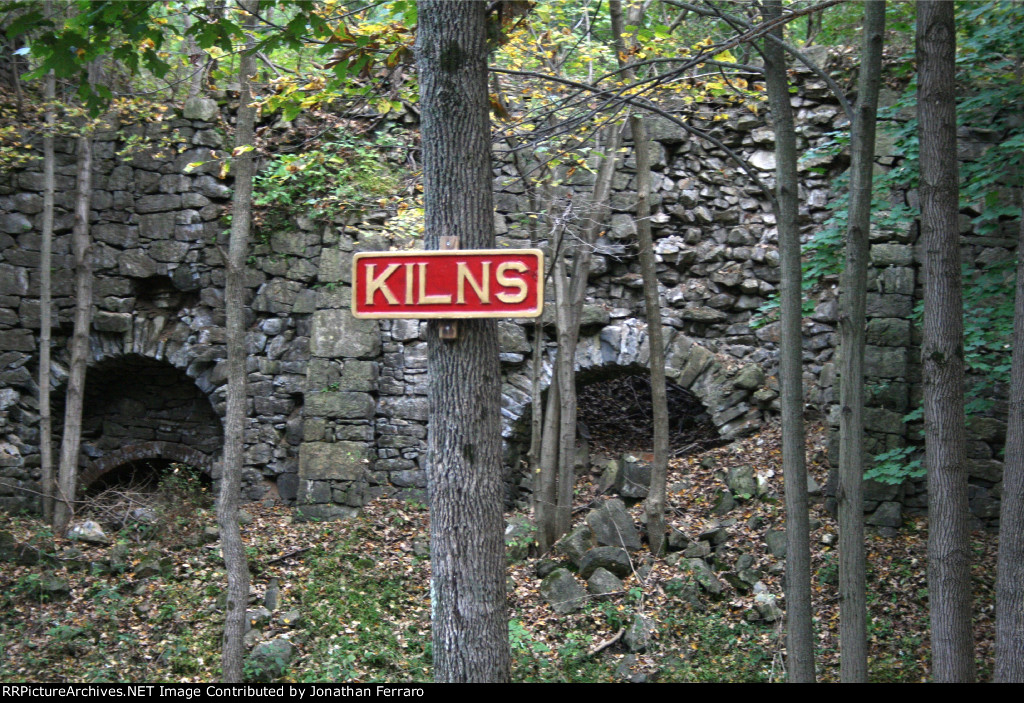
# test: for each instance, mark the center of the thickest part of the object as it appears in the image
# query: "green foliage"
(710, 647)
(364, 617)
(841, 25)
(344, 172)
(988, 329)
(132, 34)
(895, 466)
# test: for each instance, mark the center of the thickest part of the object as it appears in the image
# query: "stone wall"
(156, 375)
(337, 405)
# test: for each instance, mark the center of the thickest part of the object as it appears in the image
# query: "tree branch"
(764, 30)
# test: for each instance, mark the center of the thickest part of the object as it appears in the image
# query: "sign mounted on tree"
(448, 284)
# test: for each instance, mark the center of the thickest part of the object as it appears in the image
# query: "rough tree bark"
(232, 647)
(467, 549)
(853, 665)
(82, 251)
(949, 575)
(799, 637)
(1010, 569)
(652, 305)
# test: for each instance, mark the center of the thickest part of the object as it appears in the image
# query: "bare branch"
(764, 29)
(650, 107)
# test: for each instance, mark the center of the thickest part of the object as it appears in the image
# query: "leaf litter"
(354, 594)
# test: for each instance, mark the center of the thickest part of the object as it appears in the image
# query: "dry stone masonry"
(338, 406)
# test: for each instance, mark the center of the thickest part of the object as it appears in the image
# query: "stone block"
(112, 321)
(696, 362)
(888, 514)
(404, 407)
(333, 461)
(210, 187)
(15, 223)
(885, 362)
(613, 526)
(13, 280)
(17, 340)
(291, 243)
(561, 591)
(512, 337)
(749, 377)
(136, 264)
(335, 266)
(880, 420)
(359, 376)
(986, 429)
(894, 279)
(122, 236)
(885, 305)
(203, 109)
(892, 255)
(326, 511)
(989, 470)
(341, 405)
(888, 332)
(168, 251)
(336, 333)
(157, 203)
(277, 296)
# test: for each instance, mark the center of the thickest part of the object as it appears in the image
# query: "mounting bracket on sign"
(449, 329)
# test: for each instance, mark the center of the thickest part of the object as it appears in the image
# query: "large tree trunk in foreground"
(467, 548)
(799, 636)
(1010, 569)
(942, 349)
(233, 647)
(82, 250)
(853, 667)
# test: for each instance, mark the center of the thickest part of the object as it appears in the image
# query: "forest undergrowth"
(353, 596)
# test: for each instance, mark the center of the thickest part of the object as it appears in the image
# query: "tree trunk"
(546, 485)
(45, 302)
(799, 636)
(556, 479)
(853, 666)
(652, 306)
(1010, 569)
(659, 397)
(942, 350)
(470, 629)
(82, 251)
(233, 647)
(568, 334)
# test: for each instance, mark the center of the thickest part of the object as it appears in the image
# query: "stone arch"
(186, 344)
(151, 393)
(724, 387)
(171, 451)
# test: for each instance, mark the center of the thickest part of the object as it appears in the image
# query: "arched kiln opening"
(616, 413)
(139, 410)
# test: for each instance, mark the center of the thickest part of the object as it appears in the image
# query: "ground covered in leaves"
(353, 596)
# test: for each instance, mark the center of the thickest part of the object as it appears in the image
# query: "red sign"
(453, 284)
